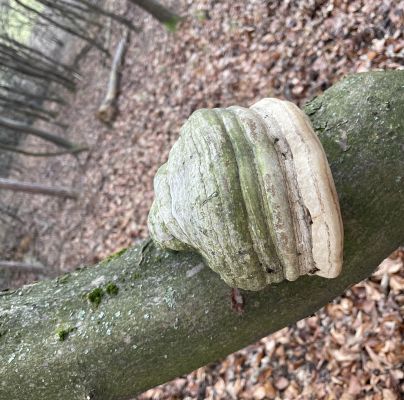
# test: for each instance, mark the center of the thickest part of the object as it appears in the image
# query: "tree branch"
(21, 266)
(158, 11)
(100, 332)
(108, 109)
(14, 149)
(35, 188)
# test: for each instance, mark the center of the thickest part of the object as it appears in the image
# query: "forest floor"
(224, 53)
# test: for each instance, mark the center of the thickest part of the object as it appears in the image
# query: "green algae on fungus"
(112, 289)
(95, 296)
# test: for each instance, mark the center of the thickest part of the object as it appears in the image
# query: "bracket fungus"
(250, 189)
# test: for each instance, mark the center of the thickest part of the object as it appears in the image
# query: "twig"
(35, 188)
(108, 108)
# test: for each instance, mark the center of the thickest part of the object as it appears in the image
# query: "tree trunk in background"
(31, 96)
(161, 13)
(63, 26)
(87, 7)
(21, 127)
(19, 150)
(140, 318)
(21, 267)
(35, 188)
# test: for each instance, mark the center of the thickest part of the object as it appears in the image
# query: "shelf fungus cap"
(250, 189)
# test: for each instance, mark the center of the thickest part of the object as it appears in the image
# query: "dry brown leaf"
(389, 395)
(281, 383)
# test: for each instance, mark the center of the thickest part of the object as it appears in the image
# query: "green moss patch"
(115, 255)
(63, 333)
(95, 296)
(112, 289)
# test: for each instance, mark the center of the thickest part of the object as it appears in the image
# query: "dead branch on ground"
(108, 108)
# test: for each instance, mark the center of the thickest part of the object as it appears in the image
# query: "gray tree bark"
(144, 316)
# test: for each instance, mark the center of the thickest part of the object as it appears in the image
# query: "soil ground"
(224, 53)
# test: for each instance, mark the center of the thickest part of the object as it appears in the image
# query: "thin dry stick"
(108, 108)
(35, 188)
